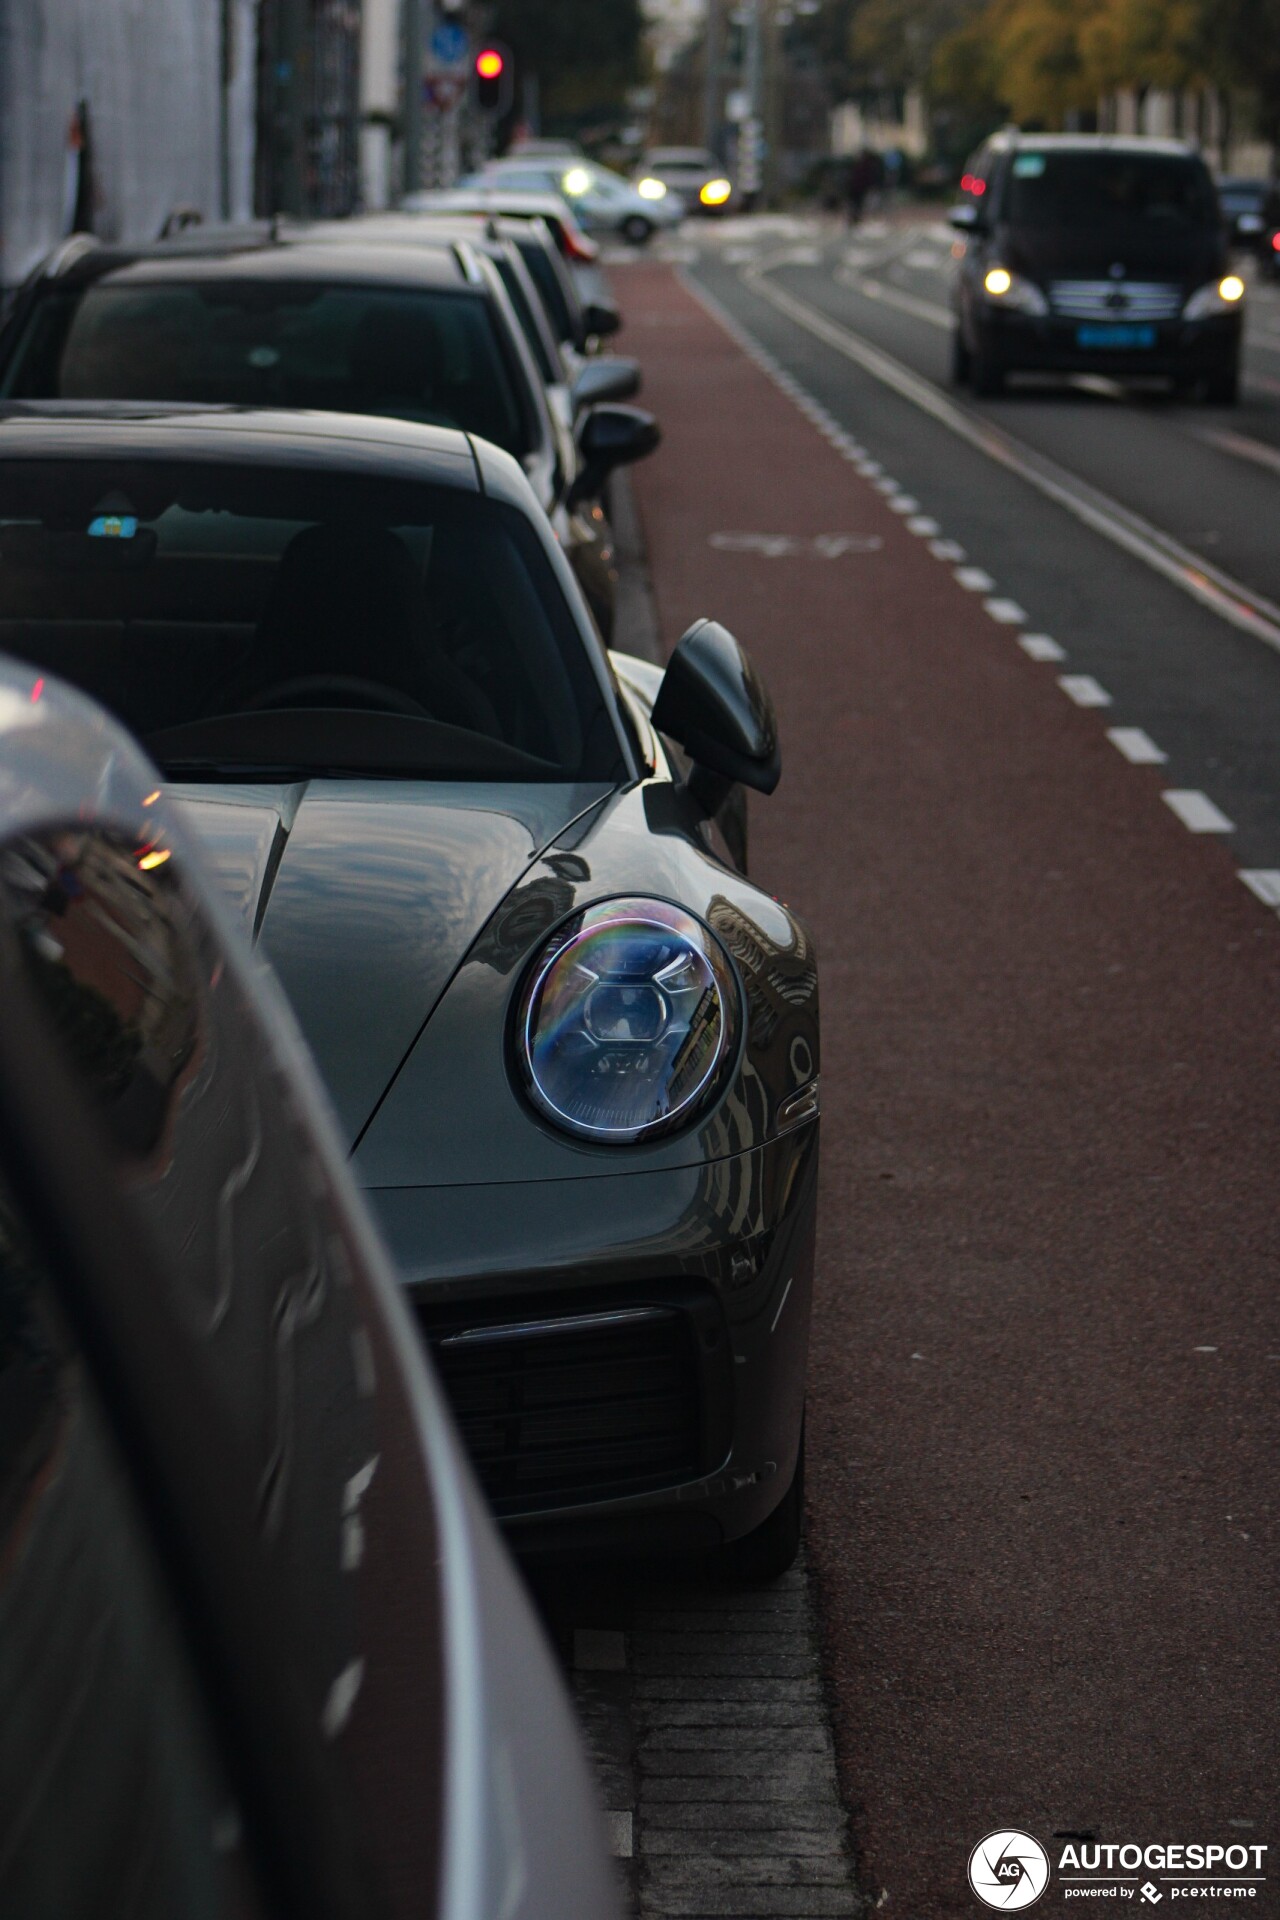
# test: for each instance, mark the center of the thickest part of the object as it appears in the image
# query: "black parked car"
(1087, 254)
(572, 1050)
(262, 1655)
(1243, 204)
(414, 332)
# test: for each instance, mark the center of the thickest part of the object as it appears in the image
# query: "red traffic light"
(493, 79)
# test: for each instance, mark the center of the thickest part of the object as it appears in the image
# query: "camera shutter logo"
(1008, 1870)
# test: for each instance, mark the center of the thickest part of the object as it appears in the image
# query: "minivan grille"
(1115, 299)
(580, 1407)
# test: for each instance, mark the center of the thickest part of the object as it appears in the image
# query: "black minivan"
(1091, 254)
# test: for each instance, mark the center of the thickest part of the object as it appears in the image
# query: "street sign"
(444, 90)
(449, 45)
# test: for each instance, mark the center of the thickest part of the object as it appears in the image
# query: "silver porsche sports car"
(572, 1050)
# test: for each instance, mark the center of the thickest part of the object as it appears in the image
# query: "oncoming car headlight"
(651, 189)
(629, 1021)
(1220, 296)
(1007, 289)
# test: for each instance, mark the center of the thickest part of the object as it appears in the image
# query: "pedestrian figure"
(863, 176)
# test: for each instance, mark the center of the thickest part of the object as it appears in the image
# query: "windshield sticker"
(1028, 166)
(114, 526)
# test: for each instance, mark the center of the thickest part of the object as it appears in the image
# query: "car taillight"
(576, 244)
(1275, 242)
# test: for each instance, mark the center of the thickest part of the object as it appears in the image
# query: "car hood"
(365, 896)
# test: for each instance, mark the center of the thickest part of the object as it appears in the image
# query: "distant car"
(1269, 242)
(413, 332)
(605, 202)
(694, 173)
(1091, 254)
(263, 1653)
(1244, 204)
(572, 1049)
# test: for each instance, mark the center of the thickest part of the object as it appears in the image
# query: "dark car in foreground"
(262, 1655)
(414, 332)
(1090, 254)
(573, 1051)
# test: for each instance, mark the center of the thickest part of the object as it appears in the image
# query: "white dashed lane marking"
(1263, 883)
(1007, 612)
(1197, 811)
(1138, 748)
(1038, 646)
(1084, 690)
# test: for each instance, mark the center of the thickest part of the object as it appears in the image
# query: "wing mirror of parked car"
(966, 218)
(601, 318)
(612, 378)
(611, 437)
(715, 705)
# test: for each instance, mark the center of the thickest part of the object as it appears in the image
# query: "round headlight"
(629, 1022)
(715, 193)
(651, 189)
(998, 281)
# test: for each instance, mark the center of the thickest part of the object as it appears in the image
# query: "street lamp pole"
(711, 90)
(413, 63)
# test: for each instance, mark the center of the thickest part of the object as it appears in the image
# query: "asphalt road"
(1043, 1391)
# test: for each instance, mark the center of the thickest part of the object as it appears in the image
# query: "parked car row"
(304, 566)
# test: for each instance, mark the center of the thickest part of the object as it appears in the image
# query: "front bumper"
(1180, 349)
(625, 1355)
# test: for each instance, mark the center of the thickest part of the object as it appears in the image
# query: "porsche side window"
(110, 1794)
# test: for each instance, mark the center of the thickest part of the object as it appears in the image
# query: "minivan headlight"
(629, 1022)
(1006, 289)
(1220, 296)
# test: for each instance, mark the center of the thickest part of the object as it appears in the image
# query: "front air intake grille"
(1115, 299)
(574, 1408)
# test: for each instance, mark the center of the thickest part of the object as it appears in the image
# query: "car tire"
(961, 360)
(769, 1550)
(1222, 389)
(637, 229)
(986, 371)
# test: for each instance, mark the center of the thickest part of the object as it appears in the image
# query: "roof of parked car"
(299, 260)
(356, 442)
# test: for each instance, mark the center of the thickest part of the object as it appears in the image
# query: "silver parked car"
(261, 1652)
(604, 201)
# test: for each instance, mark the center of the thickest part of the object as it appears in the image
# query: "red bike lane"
(1045, 1351)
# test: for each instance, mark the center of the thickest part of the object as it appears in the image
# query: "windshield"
(1108, 190)
(269, 622)
(414, 353)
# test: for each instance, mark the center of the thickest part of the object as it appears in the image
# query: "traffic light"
(493, 79)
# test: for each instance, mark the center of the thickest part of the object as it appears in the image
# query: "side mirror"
(715, 704)
(600, 317)
(612, 378)
(611, 437)
(966, 218)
